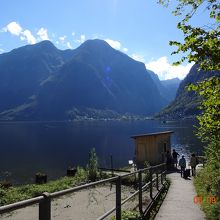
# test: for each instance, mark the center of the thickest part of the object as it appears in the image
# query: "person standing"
(193, 163)
(168, 160)
(182, 164)
(175, 155)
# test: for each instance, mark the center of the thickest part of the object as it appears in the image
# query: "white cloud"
(69, 45)
(13, 28)
(22, 38)
(29, 37)
(165, 70)
(42, 33)
(138, 57)
(114, 43)
(125, 49)
(62, 39)
(73, 33)
(82, 38)
(2, 50)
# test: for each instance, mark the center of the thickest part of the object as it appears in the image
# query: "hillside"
(166, 88)
(41, 82)
(186, 103)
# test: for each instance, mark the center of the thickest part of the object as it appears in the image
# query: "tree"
(201, 44)
(92, 166)
(209, 120)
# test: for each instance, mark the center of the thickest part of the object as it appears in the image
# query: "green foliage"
(201, 44)
(92, 166)
(14, 194)
(81, 175)
(129, 215)
(209, 120)
(207, 185)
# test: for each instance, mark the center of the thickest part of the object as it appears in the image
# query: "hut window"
(165, 147)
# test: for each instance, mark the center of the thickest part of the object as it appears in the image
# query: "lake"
(30, 147)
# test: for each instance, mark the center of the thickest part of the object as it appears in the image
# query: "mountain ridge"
(48, 83)
(185, 104)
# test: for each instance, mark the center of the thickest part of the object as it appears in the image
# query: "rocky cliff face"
(186, 103)
(40, 82)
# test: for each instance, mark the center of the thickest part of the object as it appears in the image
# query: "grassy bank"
(15, 194)
(207, 185)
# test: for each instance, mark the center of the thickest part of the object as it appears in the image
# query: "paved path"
(179, 201)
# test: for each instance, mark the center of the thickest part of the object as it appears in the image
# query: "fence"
(157, 176)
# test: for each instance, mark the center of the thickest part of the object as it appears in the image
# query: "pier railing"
(157, 179)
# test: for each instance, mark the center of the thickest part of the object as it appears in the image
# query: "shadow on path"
(179, 202)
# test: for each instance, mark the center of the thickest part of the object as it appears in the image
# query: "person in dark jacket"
(168, 160)
(175, 155)
(182, 164)
(193, 163)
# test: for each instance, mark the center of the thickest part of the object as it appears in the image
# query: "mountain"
(41, 82)
(167, 88)
(171, 86)
(186, 103)
(23, 70)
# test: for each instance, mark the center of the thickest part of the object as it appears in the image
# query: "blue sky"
(139, 28)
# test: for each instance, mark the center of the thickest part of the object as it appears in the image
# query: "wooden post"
(71, 171)
(112, 166)
(151, 184)
(157, 181)
(165, 174)
(45, 207)
(40, 178)
(140, 191)
(118, 198)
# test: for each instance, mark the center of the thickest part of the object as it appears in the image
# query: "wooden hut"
(152, 147)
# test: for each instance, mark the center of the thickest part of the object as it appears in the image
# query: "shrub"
(207, 185)
(92, 166)
(14, 194)
(129, 215)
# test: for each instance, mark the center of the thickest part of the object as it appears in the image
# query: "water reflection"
(29, 147)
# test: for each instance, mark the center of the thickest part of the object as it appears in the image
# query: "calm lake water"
(29, 147)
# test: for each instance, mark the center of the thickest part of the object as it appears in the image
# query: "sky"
(141, 29)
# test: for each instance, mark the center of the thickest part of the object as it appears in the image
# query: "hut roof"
(151, 134)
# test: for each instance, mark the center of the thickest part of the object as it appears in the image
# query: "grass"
(10, 194)
(19, 193)
(129, 215)
(207, 184)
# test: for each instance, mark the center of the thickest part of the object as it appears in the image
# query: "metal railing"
(44, 200)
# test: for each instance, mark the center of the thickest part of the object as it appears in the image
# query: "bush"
(92, 166)
(207, 185)
(129, 215)
(14, 194)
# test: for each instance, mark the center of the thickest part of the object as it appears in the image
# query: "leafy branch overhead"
(201, 44)
(209, 90)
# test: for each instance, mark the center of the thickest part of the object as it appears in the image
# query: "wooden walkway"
(179, 202)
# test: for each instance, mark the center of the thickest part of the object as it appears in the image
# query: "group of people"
(172, 161)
